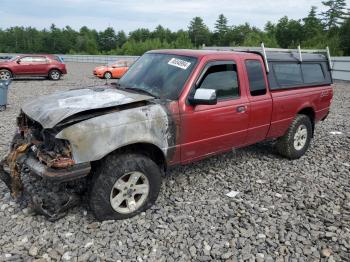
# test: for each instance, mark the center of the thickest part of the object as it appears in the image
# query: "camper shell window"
(286, 71)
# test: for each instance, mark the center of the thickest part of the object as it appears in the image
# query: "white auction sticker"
(179, 63)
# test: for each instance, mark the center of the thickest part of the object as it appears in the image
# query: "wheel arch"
(108, 71)
(8, 69)
(54, 68)
(309, 112)
(147, 149)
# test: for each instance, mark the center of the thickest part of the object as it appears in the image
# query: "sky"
(129, 15)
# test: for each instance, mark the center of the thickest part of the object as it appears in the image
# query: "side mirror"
(204, 97)
(18, 61)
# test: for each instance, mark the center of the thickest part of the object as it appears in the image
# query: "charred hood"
(51, 109)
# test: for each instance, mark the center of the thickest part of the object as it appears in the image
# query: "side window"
(39, 59)
(223, 78)
(288, 74)
(312, 73)
(256, 77)
(26, 59)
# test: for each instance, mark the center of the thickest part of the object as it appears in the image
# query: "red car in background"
(50, 66)
(116, 70)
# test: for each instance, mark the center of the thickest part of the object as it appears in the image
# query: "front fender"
(95, 138)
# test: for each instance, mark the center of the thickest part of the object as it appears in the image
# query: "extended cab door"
(260, 101)
(209, 129)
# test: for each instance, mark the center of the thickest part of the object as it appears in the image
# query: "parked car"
(116, 70)
(172, 107)
(6, 57)
(50, 66)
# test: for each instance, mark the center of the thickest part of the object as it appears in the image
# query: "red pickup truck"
(172, 107)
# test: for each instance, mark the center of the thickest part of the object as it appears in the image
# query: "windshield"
(162, 75)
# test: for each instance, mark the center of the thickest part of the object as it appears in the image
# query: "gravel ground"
(284, 211)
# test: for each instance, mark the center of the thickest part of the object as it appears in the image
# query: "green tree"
(345, 37)
(121, 38)
(107, 40)
(289, 33)
(199, 32)
(335, 13)
(312, 24)
(221, 28)
(140, 35)
(183, 40)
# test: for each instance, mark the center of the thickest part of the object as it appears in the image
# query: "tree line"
(317, 30)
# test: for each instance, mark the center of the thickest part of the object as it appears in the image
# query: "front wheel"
(54, 75)
(124, 185)
(5, 74)
(296, 141)
(107, 75)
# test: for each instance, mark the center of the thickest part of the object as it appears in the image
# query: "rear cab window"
(256, 77)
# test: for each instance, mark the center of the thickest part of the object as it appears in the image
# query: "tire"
(55, 75)
(5, 74)
(107, 189)
(107, 75)
(296, 141)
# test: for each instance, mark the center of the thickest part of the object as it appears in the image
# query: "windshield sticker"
(179, 63)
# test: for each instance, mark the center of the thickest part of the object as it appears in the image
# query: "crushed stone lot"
(284, 211)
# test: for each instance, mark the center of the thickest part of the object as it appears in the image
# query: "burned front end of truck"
(59, 136)
(40, 171)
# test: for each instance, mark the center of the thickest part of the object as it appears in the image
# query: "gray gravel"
(285, 210)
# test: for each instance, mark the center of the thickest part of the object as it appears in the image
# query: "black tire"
(286, 146)
(107, 75)
(112, 168)
(5, 74)
(55, 75)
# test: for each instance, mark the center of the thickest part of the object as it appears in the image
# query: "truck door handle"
(241, 109)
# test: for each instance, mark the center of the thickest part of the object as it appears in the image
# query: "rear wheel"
(55, 75)
(296, 141)
(123, 186)
(5, 74)
(107, 75)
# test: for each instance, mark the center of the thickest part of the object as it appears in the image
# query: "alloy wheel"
(130, 192)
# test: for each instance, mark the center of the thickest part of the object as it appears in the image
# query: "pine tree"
(312, 24)
(221, 29)
(199, 32)
(334, 16)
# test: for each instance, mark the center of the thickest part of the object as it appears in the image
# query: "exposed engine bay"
(30, 170)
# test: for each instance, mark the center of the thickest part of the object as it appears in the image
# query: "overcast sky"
(132, 14)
